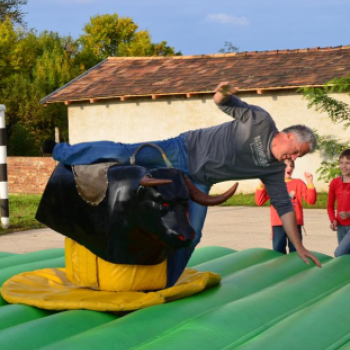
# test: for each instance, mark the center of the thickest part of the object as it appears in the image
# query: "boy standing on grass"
(339, 190)
(298, 191)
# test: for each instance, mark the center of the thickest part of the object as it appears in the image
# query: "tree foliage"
(12, 9)
(338, 112)
(22, 142)
(229, 48)
(114, 36)
(34, 65)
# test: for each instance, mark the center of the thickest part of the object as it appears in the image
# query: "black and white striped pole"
(4, 192)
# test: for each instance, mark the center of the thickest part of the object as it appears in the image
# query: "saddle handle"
(165, 158)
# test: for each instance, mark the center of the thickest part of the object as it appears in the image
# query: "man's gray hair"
(303, 134)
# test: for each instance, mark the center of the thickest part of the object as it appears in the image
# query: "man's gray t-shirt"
(239, 149)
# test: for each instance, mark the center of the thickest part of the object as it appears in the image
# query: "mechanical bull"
(124, 214)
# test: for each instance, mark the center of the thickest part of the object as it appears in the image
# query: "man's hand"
(226, 89)
(290, 227)
(222, 91)
(334, 225)
(304, 254)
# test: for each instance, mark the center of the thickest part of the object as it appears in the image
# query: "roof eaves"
(258, 90)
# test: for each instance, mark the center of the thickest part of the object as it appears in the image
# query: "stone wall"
(29, 174)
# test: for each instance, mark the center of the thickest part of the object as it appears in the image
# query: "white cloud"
(224, 18)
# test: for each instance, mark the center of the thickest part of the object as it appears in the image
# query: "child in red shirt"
(339, 190)
(297, 191)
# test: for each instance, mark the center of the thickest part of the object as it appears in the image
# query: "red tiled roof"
(122, 77)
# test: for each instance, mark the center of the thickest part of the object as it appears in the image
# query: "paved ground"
(234, 227)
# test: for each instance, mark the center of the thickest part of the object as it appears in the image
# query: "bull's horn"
(149, 181)
(202, 198)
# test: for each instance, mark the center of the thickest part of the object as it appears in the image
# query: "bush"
(22, 143)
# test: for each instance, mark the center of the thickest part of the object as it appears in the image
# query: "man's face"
(344, 165)
(288, 148)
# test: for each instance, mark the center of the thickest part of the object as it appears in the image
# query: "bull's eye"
(166, 205)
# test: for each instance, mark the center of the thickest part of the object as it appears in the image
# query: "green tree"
(56, 65)
(113, 36)
(339, 112)
(22, 142)
(12, 9)
(18, 56)
(16, 47)
(31, 67)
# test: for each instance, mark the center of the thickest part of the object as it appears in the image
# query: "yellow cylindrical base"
(85, 269)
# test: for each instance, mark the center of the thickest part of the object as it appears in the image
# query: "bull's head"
(163, 205)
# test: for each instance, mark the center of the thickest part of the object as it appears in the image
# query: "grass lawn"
(248, 200)
(22, 212)
(23, 208)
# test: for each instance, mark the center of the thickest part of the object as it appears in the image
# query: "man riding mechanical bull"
(248, 147)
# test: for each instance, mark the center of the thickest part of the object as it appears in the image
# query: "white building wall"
(144, 119)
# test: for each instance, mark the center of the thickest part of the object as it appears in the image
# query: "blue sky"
(202, 26)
